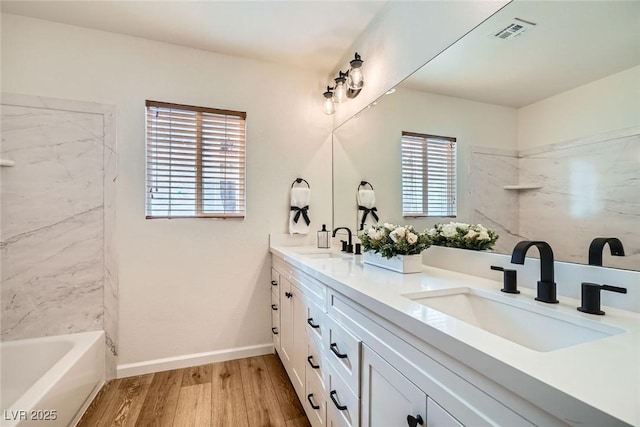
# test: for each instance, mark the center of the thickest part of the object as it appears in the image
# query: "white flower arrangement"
(463, 236)
(390, 240)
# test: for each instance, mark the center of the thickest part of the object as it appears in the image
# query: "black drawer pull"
(310, 322)
(311, 363)
(288, 294)
(335, 402)
(414, 421)
(334, 348)
(274, 283)
(316, 407)
(274, 307)
(275, 331)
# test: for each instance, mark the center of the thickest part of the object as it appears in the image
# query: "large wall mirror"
(546, 119)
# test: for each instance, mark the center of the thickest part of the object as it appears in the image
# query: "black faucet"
(591, 297)
(350, 244)
(597, 247)
(546, 285)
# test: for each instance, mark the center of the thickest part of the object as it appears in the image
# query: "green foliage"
(464, 236)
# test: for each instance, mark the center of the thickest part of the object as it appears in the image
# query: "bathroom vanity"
(364, 346)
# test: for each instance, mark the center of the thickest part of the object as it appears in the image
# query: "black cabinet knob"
(288, 294)
(414, 421)
(274, 283)
(274, 307)
(310, 322)
(275, 331)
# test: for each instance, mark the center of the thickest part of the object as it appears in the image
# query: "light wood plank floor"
(239, 393)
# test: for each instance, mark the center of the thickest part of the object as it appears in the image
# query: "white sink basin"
(324, 255)
(538, 328)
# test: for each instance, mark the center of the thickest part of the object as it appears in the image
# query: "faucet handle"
(591, 296)
(509, 280)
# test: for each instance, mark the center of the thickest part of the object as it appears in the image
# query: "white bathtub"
(50, 381)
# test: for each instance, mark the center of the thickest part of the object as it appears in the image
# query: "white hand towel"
(300, 197)
(366, 207)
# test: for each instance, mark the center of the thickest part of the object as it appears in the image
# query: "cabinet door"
(286, 322)
(300, 352)
(388, 398)
(438, 417)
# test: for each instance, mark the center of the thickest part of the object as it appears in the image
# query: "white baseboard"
(188, 360)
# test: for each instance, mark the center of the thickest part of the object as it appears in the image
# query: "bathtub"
(50, 381)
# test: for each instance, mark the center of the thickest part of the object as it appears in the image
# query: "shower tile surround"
(590, 188)
(59, 272)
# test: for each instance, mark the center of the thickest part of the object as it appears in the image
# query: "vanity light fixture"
(347, 85)
(340, 90)
(328, 101)
(355, 78)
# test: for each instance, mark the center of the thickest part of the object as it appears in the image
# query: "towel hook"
(298, 181)
(363, 183)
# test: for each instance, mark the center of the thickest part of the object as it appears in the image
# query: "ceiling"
(308, 34)
(573, 43)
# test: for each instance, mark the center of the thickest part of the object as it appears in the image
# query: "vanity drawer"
(316, 322)
(275, 282)
(343, 352)
(315, 401)
(316, 363)
(343, 406)
(315, 291)
(275, 329)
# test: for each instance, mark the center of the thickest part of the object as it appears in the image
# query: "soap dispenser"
(323, 237)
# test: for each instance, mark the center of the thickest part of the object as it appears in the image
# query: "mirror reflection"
(540, 105)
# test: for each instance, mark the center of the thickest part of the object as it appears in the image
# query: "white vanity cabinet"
(351, 367)
(293, 331)
(303, 327)
(275, 308)
(391, 399)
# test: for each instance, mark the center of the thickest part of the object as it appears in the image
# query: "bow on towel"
(300, 211)
(367, 211)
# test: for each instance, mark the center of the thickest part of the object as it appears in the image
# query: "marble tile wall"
(590, 188)
(57, 225)
(492, 206)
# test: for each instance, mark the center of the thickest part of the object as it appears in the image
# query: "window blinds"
(428, 175)
(195, 162)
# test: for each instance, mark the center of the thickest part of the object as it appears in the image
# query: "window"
(428, 175)
(195, 162)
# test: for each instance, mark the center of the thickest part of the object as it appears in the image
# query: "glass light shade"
(328, 106)
(355, 79)
(340, 92)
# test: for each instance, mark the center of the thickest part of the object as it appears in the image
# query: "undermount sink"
(323, 255)
(532, 327)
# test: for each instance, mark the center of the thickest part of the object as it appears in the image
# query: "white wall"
(602, 106)
(186, 285)
(403, 37)
(368, 147)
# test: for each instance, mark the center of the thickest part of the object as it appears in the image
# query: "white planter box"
(399, 263)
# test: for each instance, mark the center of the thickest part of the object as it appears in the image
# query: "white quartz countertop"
(603, 374)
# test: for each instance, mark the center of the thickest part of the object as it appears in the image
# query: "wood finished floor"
(252, 392)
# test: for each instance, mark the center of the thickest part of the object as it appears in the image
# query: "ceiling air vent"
(514, 29)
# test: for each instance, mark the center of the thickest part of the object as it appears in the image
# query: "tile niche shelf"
(522, 187)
